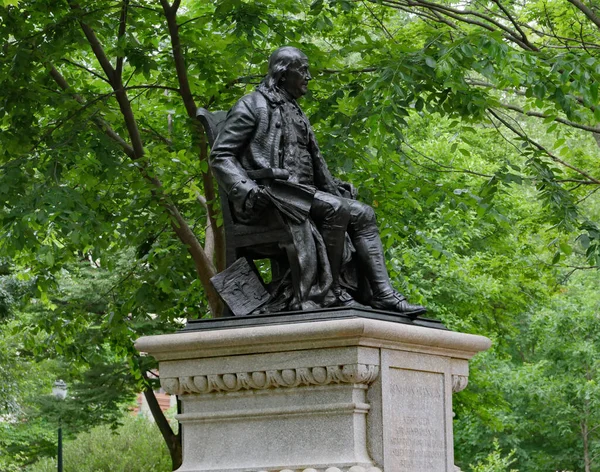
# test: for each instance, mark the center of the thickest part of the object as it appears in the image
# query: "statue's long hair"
(279, 62)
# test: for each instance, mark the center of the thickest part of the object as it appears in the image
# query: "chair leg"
(292, 256)
(231, 254)
(278, 267)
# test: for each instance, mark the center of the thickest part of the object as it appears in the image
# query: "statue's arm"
(231, 142)
(323, 178)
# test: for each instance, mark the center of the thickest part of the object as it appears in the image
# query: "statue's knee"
(336, 211)
(366, 214)
(341, 208)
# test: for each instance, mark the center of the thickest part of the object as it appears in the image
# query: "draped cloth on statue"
(293, 203)
(314, 290)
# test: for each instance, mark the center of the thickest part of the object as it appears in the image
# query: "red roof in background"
(164, 400)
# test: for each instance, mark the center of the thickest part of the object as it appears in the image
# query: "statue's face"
(296, 77)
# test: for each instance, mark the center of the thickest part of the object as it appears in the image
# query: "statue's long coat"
(251, 140)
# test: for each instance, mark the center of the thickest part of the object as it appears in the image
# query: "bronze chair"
(269, 241)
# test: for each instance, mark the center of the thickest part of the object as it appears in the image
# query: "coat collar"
(275, 95)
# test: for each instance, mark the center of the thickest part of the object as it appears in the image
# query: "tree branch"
(151, 130)
(149, 87)
(479, 83)
(437, 16)
(209, 238)
(204, 266)
(440, 165)
(130, 122)
(85, 106)
(120, 35)
(191, 108)
(184, 84)
(513, 21)
(101, 123)
(211, 195)
(95, 74)
(117, 85)
(563, 39)
(394, 4)
(145, 7)
(349, 71)
(190, 20)
(173, 440)
(586, 11)
(542, 148)
(583, 199)
(578, 181)
(463, 16)
(557, 119)
(95, 44)
(384, 29)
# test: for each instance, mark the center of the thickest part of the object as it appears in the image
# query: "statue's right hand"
(257, 200)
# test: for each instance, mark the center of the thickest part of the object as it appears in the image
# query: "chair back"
(212, 122)
(240, 239)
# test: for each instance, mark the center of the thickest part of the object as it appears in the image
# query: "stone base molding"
(260, 380)
(345, 395)
(332, 469)
(459, 383)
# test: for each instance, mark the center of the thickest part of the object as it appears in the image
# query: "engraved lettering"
(417, 436)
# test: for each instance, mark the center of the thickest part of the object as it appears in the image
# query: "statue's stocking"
(334, 237)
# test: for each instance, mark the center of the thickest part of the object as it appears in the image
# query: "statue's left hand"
(257, 200)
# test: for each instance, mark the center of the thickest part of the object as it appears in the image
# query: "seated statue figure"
(267, 134)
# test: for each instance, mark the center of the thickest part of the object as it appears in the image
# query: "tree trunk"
(587, 462)
(585, 431)
(211, 195)
(204, 266)
(172, 440)
(199, 136)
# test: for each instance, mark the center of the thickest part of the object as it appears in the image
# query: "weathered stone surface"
(417, 423)
(351, 395)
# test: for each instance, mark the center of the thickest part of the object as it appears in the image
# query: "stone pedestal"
(354, 394)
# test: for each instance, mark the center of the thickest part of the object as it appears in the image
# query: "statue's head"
(288, 69)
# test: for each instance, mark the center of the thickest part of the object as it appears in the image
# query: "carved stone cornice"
(265, 379)
(459, 383)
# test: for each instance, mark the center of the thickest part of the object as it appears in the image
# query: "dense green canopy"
(471, 127)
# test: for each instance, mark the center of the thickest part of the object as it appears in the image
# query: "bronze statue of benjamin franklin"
(340, 253)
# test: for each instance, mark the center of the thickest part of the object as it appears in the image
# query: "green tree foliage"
(544, 388)
(24, 434)
(136, 446)
(495, 462)
(39, 345)
(66, 340)
(471, 129)
(500, 62)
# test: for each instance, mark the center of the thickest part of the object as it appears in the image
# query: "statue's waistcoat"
(251, 139)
